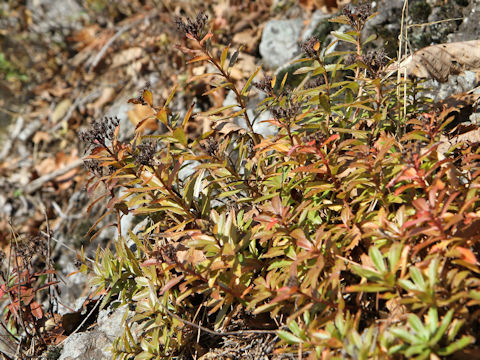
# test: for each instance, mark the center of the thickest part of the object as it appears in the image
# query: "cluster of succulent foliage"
(348, 234)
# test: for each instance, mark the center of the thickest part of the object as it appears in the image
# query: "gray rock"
(318, 26)
(279, 42)
(470, 26)
(456, 84)
(52, 15)
(96, 344)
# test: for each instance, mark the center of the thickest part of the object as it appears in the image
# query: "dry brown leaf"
(440, 61)
(141, 112)
(461, 106)
(226, 127)
(311, 5)
(108, 95)
(85, 36)
(126, 56)
(40, 136)
(61, 110)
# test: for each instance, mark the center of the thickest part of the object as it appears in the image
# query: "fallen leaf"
(40, 136)
(61, 110)
(441, 60)
(226, 127)
(126, 56)
(108, 95)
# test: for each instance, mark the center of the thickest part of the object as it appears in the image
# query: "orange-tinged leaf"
(206, 37)
(272, 223)
(330, 139)
(197, 58)
(467, 255)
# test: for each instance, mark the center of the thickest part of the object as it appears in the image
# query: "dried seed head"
(265, 84)
(100, 131)
(286, 113)
(211, 147)
(94, 167)
(358, 15)
(375, 61)
(192, 27)
(311, 47)
(350, 59)
(146, 153)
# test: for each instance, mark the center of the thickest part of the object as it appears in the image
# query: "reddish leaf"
(302, 240)
(272, 223)
(206, 37)
(36, 310)
(330, 139)
(151, 262)
(171, 283)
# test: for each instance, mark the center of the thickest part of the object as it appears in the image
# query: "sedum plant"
(345, 235)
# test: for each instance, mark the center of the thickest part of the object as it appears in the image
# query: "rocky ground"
(65, 63)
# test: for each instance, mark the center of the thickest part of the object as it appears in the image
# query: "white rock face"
(96, 344)
(279, 42)
(53, 14)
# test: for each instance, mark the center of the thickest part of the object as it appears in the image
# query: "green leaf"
(344, 37)
(418, 349)
(228, 193)
(447, 319)
(432, 272)
(325, 102)
(249, 81)
(367, 273)
(179, 135)
(394, 256)
(144, 355)
(224, 55)
(288, 337)
(342, 19)
(417, 325)
(417, 277)
(457, 345)
(369, 39)
(367, 288)
(405, 335)
(296, 330)
(407, 285)
(377, 258)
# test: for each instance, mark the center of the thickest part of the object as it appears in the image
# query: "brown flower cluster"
(146, 153)
(100, 132)
(357, 16)
(192, 27)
